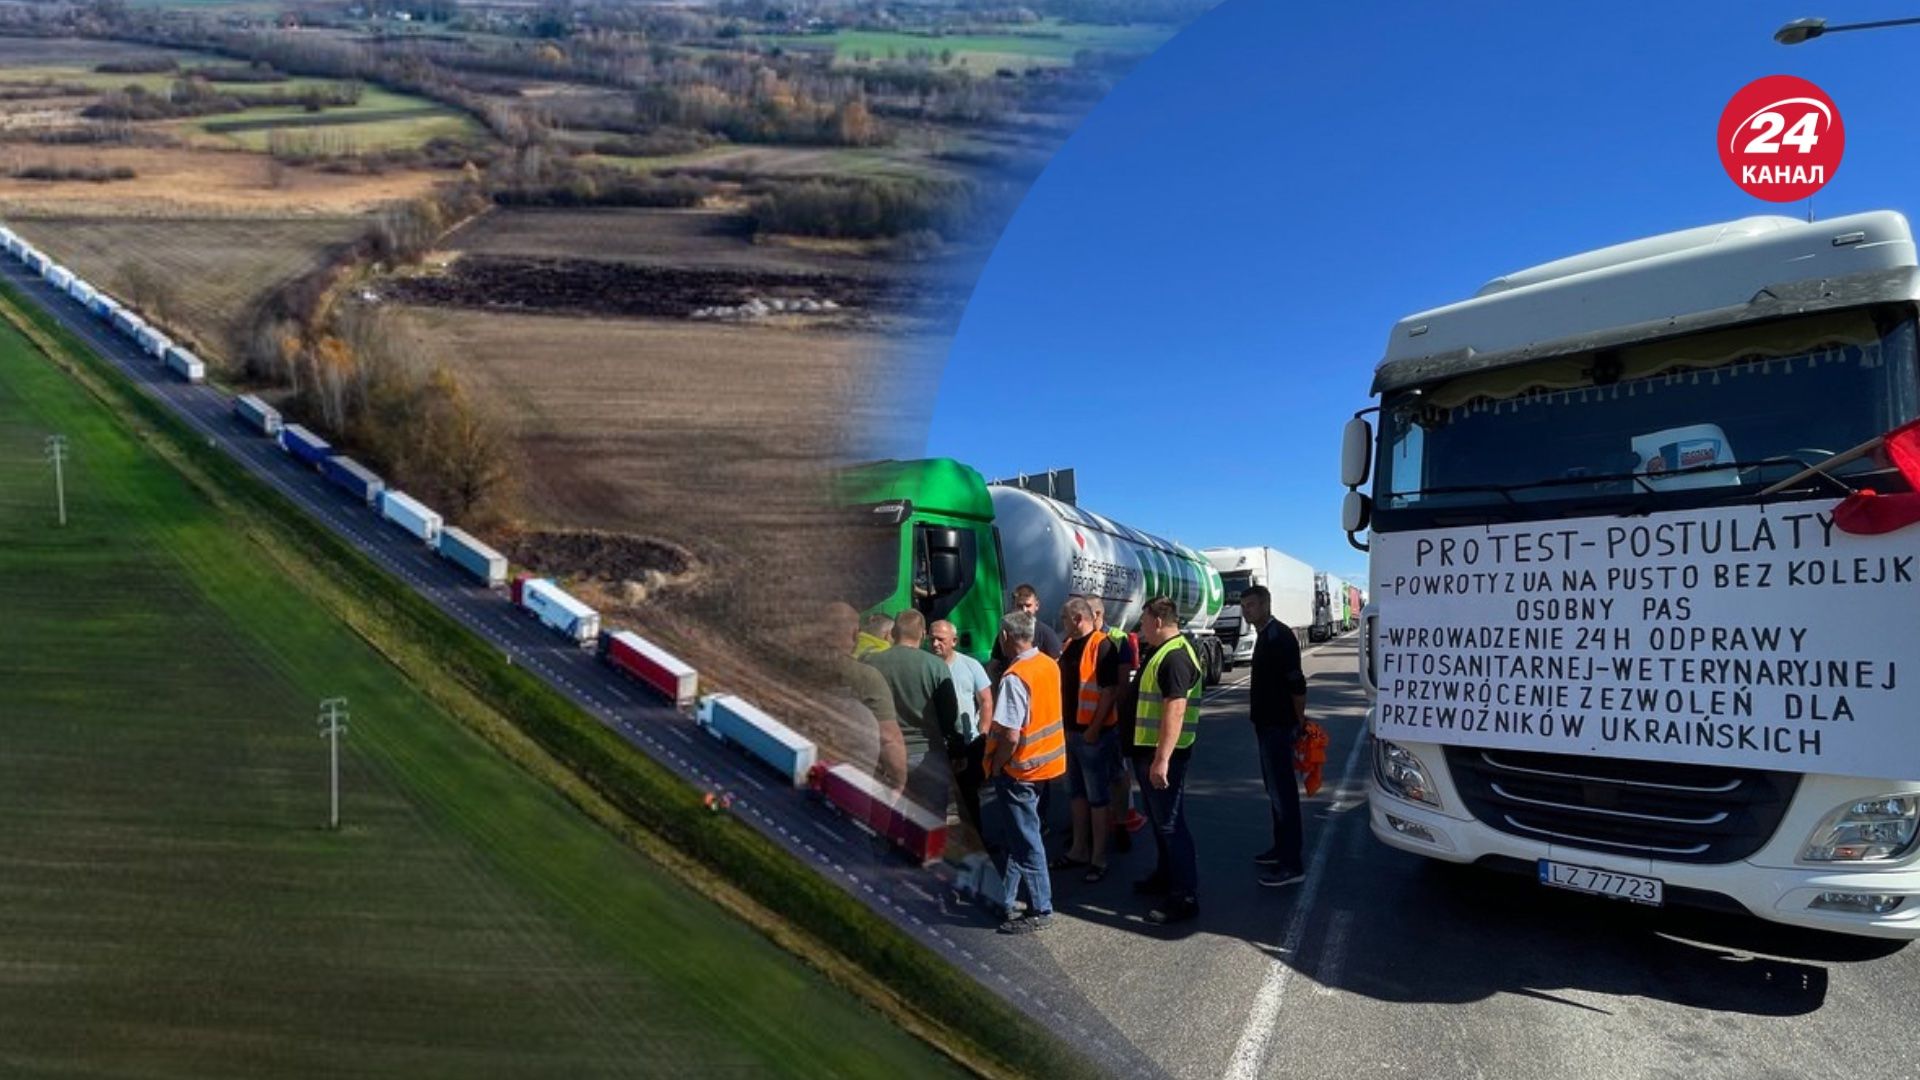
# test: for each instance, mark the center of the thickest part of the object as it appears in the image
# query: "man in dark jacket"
(1277, 705)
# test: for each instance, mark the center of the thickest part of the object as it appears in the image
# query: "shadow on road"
(1398, 928)
(1434, 933)
(1422, 931)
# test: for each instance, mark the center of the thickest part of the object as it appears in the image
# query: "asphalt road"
(1380, 964)
(1384, 964)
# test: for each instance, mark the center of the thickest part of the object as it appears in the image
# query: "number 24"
(1801, 137)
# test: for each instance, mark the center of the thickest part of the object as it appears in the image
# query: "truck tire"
(1216, 660)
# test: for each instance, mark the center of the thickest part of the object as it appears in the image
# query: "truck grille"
(1653, 809)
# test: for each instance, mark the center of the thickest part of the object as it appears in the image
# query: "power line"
(333, 721)
(57, 454)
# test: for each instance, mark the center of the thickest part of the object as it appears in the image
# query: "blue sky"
(1191, 300)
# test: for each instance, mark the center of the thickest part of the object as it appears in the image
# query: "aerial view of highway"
(1089, 538)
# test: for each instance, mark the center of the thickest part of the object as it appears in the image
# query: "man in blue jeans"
(1090, 678)
(1277, 705)
(1165, 714)
(1025, 749)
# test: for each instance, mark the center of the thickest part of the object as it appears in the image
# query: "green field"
(380, 120)
(783, 161)
(173, 907)
(1041, 44)
(155, 82)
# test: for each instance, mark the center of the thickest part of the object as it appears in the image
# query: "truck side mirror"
(1356, 513)
(1356, 452)
(943, 559)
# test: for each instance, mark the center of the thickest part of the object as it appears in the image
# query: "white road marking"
(1333, 953)
(1250, 1053)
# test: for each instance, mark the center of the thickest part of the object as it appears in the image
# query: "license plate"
(1586, 879)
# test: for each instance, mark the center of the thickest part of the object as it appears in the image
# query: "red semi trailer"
(892, 816)
(655, 668)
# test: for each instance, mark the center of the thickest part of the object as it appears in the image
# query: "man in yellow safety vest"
(1166, 717)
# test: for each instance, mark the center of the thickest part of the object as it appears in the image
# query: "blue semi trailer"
(345, 473)
(774, 744)
(476, 558)
(304, 445)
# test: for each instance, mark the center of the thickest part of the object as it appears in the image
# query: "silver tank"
(1061, 550)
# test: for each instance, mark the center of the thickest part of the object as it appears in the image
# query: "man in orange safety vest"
(1026, 748)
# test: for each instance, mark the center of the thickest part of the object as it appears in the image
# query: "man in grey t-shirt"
(974, 693)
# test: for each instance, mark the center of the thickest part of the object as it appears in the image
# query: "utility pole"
(333, 721)
(57, 453)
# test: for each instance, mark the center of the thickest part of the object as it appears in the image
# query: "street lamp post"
(1800, 30)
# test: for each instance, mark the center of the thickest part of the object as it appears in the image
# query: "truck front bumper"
(1782, 894)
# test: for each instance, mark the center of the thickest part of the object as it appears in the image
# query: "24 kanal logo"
(1781, 138)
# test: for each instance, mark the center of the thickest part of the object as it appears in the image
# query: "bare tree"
(149, 289)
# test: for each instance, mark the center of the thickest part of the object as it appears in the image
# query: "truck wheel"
(1214, 664)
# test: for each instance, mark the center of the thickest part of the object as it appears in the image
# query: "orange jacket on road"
(1310, 755)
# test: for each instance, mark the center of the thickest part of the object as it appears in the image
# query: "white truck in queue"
(1617, 639)
(1327, 623)
(1289, 580)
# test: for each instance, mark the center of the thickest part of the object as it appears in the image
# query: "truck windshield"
(1235, 582)
(1711, 418)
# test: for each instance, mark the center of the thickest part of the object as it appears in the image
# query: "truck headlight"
(1869, 830)
(1403, 774)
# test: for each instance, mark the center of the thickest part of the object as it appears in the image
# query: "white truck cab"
(1618, 637)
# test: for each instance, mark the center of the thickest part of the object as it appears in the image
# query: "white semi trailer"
(1625, 634)
(557, 609)
(1289, 580)
(410, 514)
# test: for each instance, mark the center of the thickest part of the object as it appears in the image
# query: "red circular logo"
(1780, 138)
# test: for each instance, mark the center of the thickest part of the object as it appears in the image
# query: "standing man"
(1166, 714)
(874, 635)
(1027, 600)
(1090, 680)
(1125, 819)
(973, 693)
(922, 689)
(869, 689)
(1027, 748)
(1277, 705)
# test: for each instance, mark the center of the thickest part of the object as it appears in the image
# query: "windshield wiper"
(1808, 472)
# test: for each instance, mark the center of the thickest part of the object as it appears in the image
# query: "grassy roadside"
(173, 908)
(591, 766)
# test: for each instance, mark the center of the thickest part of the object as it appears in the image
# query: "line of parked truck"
(124, 320)
(796, 759)
(726, 717)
